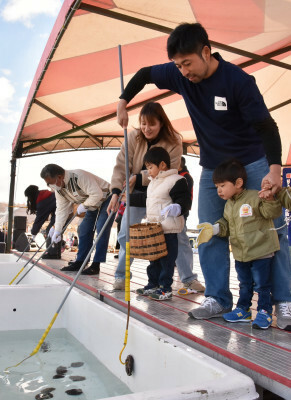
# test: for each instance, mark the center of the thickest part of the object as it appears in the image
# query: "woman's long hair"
(152, 111)
(31, 192)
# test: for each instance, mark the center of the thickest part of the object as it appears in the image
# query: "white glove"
(33, 237)
(56, 237)
(51, 232)
(173, 210)
(81, 209)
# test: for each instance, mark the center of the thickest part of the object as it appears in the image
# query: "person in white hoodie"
(93, 196)
(167, 199)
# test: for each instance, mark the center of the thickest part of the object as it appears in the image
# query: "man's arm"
(134, 86)
(269, 133)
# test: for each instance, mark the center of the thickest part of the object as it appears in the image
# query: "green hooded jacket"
(248, 221)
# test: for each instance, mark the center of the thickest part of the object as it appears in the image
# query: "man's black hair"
(51, 171)
(187, 39)
(230, 171)
(156, 155)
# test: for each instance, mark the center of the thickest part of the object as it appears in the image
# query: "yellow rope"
(38, 345)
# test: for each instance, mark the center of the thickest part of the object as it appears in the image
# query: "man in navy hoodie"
(230, 119)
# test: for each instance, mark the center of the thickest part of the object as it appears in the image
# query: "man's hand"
(207, 231)
(173, 210)
(56, 237)
(122, 115)
(113, 205)
(51, 232)
(81, 209)
(272, 181)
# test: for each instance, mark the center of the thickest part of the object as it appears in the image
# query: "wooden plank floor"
(265, 356)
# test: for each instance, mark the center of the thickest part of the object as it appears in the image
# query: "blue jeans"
(214, 255)
(86, 233)
(184, 260)
(160, 272)
(254, 276)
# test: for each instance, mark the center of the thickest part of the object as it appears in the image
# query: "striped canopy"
(72, 101)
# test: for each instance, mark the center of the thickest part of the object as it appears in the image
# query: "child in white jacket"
(167, 199)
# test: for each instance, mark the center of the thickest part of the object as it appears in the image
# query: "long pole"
(127, 256)
(127, 252)
(10, 204)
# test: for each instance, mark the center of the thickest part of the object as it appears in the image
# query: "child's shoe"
(238, 315)
(146, 291)
(160, 294)
(262, 321)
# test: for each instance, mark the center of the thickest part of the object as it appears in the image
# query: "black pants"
(55, 250)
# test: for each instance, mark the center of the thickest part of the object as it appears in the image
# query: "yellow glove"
(206, 232)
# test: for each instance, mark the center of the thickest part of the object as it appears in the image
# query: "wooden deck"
(265, 356)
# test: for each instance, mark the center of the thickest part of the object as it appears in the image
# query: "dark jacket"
(184, 172)
(45, 206)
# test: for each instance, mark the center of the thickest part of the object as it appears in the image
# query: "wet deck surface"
(264, 355)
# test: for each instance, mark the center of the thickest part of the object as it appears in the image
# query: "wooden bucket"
(147, 241)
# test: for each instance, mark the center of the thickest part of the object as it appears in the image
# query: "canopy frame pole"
(94, 122)
(74, 125)
(164, 29)
(11, 203)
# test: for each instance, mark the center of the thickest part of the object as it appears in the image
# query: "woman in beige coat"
(155, 130)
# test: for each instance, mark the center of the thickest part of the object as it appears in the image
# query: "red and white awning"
(73, 98)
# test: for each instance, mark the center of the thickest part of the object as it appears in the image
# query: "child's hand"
(266, 194)
(173, 210)
(266, 191)
(207, 231)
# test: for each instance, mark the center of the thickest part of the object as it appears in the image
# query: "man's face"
(192, 66)
(55, 182)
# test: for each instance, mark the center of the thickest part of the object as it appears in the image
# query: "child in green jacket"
(248, 221)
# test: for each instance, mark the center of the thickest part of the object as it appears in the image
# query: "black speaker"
(16, 234)
(20, 223)
(2, 247)
(21, 242)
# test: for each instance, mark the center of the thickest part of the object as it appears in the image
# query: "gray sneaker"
(209, 308)
(119, 284)
(283, 313)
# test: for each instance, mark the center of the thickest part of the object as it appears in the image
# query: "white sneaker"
(119, 284)
(194, 285)
(283, 313)
(209, 308)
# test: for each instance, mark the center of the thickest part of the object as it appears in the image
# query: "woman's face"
(150, 129)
